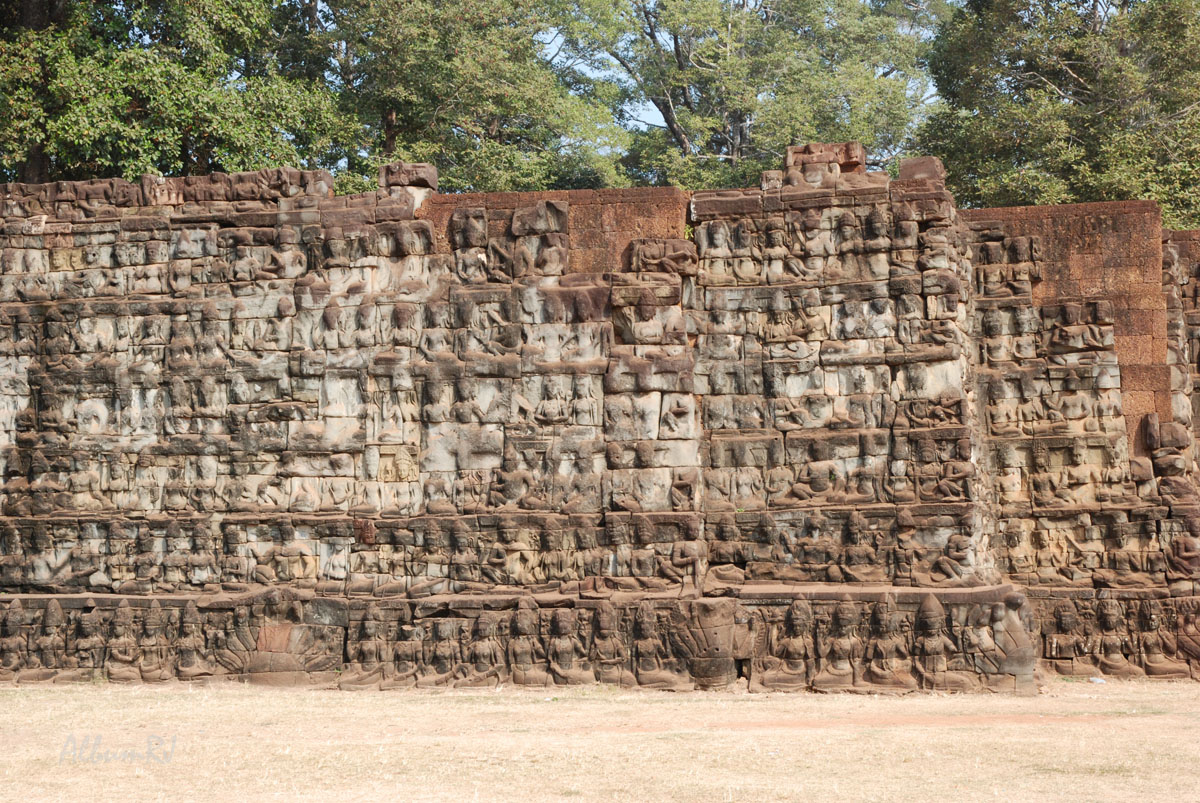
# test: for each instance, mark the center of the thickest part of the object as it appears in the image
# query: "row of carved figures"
(449, 555)
(1122, 642)
(838, 647)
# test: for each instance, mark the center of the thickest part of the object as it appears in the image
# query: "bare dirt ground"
(1077, 740)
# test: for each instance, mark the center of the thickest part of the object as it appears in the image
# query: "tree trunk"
(36, 167)
(185, 155)
(41, 14)
(389, 132)
(667, 110)
(38, 15)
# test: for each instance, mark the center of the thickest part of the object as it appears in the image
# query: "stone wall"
(808, 434)
(793, 640)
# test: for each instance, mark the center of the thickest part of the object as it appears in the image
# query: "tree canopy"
(499, 94)
(468, 85)
(734, 83)
(1065, 100)
(1026, 102)
(97, 89)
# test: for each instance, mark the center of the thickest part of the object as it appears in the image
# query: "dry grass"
(232, 743)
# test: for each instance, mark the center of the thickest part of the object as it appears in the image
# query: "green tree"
(1056, 101)
(499, 94)
(729, 84)
(103, 88)
(472, 86)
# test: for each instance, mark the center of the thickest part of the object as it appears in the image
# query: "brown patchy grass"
(1077, 740)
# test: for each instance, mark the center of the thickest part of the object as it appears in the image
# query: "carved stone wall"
(878, 642)
(805, 434)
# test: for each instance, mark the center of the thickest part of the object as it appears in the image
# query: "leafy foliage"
(1065, 100)
(469, 86)
(735, 83)
(499, 94)
(1036, 102)
(170, 86)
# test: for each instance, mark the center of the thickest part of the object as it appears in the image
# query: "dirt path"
(1077, 741)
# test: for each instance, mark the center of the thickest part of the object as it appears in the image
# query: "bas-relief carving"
(243, 384)
(662, 644)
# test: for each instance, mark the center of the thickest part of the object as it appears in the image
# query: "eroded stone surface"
(801, 434)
